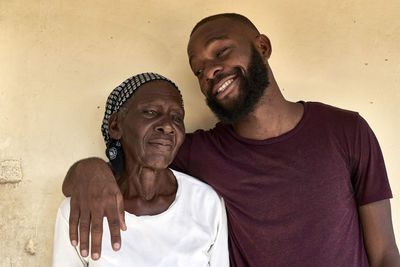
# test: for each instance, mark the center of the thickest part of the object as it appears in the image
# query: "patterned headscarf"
(118, 97)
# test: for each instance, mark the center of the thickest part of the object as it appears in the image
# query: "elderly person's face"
(150, 126)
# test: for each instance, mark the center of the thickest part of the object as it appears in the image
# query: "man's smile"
(224, 87)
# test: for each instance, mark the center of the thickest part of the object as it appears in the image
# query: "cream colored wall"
(60, 59)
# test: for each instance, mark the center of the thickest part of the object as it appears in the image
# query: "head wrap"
(118, 97)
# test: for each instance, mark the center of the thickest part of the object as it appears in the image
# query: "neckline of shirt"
(167, 211)
(276, 139)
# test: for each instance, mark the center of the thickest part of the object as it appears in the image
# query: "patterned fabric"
(118, 97)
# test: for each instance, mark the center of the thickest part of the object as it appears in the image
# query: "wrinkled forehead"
(156, 92)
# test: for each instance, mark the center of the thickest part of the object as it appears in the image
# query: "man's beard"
(251, 89)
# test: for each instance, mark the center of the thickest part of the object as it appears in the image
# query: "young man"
(304, 183)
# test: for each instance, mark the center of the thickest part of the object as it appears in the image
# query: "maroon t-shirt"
(292, 200)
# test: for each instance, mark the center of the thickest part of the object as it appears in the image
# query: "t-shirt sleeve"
(219, 254)
(64, 254)
(369, 172)
(182, 158)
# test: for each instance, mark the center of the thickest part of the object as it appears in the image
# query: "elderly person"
(172, 219)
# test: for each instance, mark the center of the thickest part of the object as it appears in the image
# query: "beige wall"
(60, 59)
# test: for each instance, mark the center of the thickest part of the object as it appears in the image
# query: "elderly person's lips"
(162, 144)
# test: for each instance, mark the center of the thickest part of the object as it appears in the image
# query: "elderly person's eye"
(149, 112)
(177, 118)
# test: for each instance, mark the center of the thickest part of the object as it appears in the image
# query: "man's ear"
(114, 126)
(263, 44)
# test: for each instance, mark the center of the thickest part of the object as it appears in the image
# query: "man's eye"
(222, 51)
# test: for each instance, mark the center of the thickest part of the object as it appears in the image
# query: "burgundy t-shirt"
(292, 200)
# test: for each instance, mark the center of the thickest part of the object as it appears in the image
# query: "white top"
(191, 232)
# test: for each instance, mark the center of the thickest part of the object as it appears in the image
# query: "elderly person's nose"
(165, 126)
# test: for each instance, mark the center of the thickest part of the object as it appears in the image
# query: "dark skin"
(151, 130)
(222, 44)
(217, 47)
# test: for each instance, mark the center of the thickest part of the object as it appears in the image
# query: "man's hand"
(94, 195)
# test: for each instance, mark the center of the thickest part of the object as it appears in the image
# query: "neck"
(146, 184)
(272, 116)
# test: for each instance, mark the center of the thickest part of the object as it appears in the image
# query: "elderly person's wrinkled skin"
(151, 130)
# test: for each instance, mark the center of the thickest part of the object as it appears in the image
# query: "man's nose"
(212, 70)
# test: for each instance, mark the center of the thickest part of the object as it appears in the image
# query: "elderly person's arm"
(94, 195)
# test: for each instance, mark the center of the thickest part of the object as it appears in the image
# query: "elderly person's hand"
(94, 195)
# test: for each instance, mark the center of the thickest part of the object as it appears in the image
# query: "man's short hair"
(232, 16)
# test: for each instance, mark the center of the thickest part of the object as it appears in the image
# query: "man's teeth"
(223, 87)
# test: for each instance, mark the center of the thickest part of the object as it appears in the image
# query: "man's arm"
(68, 183)
(94, 195)
(379, 241)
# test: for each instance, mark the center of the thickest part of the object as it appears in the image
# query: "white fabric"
(191, 232)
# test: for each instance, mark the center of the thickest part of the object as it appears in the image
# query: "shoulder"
(199, 202)
(209, 137)
(218, 129)
(348, 127)
(321, 109)
(323, 114)
(196, 189)
(64, 208)
(198, 145)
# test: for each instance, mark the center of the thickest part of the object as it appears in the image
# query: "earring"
(115, 154)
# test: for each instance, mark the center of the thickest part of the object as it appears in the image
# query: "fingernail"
(95, 256)
(116, 245)
(74, 243)
(84, 253)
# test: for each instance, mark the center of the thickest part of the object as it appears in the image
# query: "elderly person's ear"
(114, 127)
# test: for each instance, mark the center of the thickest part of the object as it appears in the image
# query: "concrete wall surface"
(60, 59)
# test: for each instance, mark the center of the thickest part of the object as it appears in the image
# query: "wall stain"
(30, 247)
(10, 171)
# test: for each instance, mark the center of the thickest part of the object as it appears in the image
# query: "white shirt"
(191, 232)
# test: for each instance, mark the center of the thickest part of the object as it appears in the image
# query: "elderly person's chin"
(157, 161)
(152, 155)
